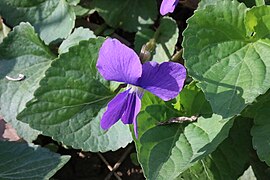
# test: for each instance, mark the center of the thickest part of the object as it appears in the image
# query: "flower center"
(136, 89)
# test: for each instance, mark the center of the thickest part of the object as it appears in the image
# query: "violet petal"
(164, 80)
(116, 108)
(117, 62)
(133, 107)
(168, 6)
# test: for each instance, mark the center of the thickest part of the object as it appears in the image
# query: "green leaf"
(70, 102)
(229, 160)
(251, 110)
(203, 3)
(22, 52)
(226, 51)
(166, 38)
(78, 35)
(52, 19)
(261, 132)
(191, 101)
(165, 151)
(257, 22)
(84, 8)
(130, 15)
(4, 30)
(27, 161)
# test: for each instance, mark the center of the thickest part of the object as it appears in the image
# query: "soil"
(87, 165)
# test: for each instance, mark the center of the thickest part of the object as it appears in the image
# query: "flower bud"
(145, 55)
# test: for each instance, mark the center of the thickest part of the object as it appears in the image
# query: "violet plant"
(192, 84)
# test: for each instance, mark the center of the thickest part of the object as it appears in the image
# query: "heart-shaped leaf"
(165, 151)
(227, 52)
(71, 100)
(52, 19)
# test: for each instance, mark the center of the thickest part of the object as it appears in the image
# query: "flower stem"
(157, 34)
(260, 2)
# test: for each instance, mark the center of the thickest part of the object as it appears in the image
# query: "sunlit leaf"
(22, 52)
(71, 100)
(248, 175)
(226, 51)
(229, 160)
(78, 35)
(191, 101)
(27, 161)
(52, 19)
(165, 151)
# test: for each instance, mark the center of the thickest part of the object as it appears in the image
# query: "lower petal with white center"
(124, 106)
(133, 107)
(115, 110)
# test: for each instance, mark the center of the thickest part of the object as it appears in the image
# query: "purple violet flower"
(167, 6)
(117, 62)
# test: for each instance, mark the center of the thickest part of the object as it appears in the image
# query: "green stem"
(149, 47)
(260, 2)
(151, 44)
(157, 34)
